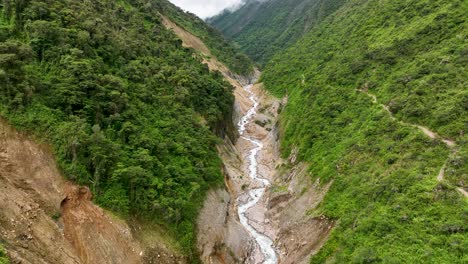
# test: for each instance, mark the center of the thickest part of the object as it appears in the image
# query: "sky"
(205, 8)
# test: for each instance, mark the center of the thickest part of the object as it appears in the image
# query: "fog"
(206, 8)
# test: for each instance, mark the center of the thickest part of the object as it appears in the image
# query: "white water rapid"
(265, 243)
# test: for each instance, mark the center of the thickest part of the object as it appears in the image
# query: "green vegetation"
(221, 48)
(385, 197)
(128, 110)
(263, 28)
(3, 256)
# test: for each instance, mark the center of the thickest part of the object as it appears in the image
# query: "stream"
(265, 243)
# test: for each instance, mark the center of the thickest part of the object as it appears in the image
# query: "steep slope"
(377, 106)
(189, 40)
(223, 50)
(263, 28)
(128, 110)
(46, 219)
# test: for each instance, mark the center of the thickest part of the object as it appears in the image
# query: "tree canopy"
(129, 111)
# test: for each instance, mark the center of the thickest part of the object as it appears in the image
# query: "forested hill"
(263, 28)
(223, 49)
(128, 110)
(365, 88)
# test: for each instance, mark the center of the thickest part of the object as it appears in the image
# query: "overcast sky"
(205, 8)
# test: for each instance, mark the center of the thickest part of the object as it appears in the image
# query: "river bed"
(254, 195)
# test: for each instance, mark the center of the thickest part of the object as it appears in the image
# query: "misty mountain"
(262, 28)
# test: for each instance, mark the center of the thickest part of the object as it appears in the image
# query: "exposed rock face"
(281, 214)
(297, 236)
(221, 238)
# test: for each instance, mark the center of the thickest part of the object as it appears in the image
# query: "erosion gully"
(255, 194)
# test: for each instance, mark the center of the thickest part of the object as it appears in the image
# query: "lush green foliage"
(221, 48)
(386, 199)
(263, 28)
(3, 256)
(128, 110)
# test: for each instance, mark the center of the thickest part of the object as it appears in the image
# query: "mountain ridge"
(396, 186)
(263, 28)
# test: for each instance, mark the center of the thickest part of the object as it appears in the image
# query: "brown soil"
(45, 219)
(191, 41)
(30, 196)
(93, 233)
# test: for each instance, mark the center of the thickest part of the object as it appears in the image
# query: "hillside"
(46, 219)
(222, 49)
(378, 106)
(128, 110)
(263, 28)
(118, 137)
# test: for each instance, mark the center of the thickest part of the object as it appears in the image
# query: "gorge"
(134, 132)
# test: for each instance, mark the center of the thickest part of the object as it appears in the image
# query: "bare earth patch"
(46, 219)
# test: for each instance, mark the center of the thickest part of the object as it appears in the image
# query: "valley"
(135, 132)
(277, 217)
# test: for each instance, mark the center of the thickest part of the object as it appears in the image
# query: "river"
(265, 243)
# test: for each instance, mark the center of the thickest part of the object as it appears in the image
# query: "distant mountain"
(262, 28)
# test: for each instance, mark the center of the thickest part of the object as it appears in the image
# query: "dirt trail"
(433, 135)
(423, 129)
